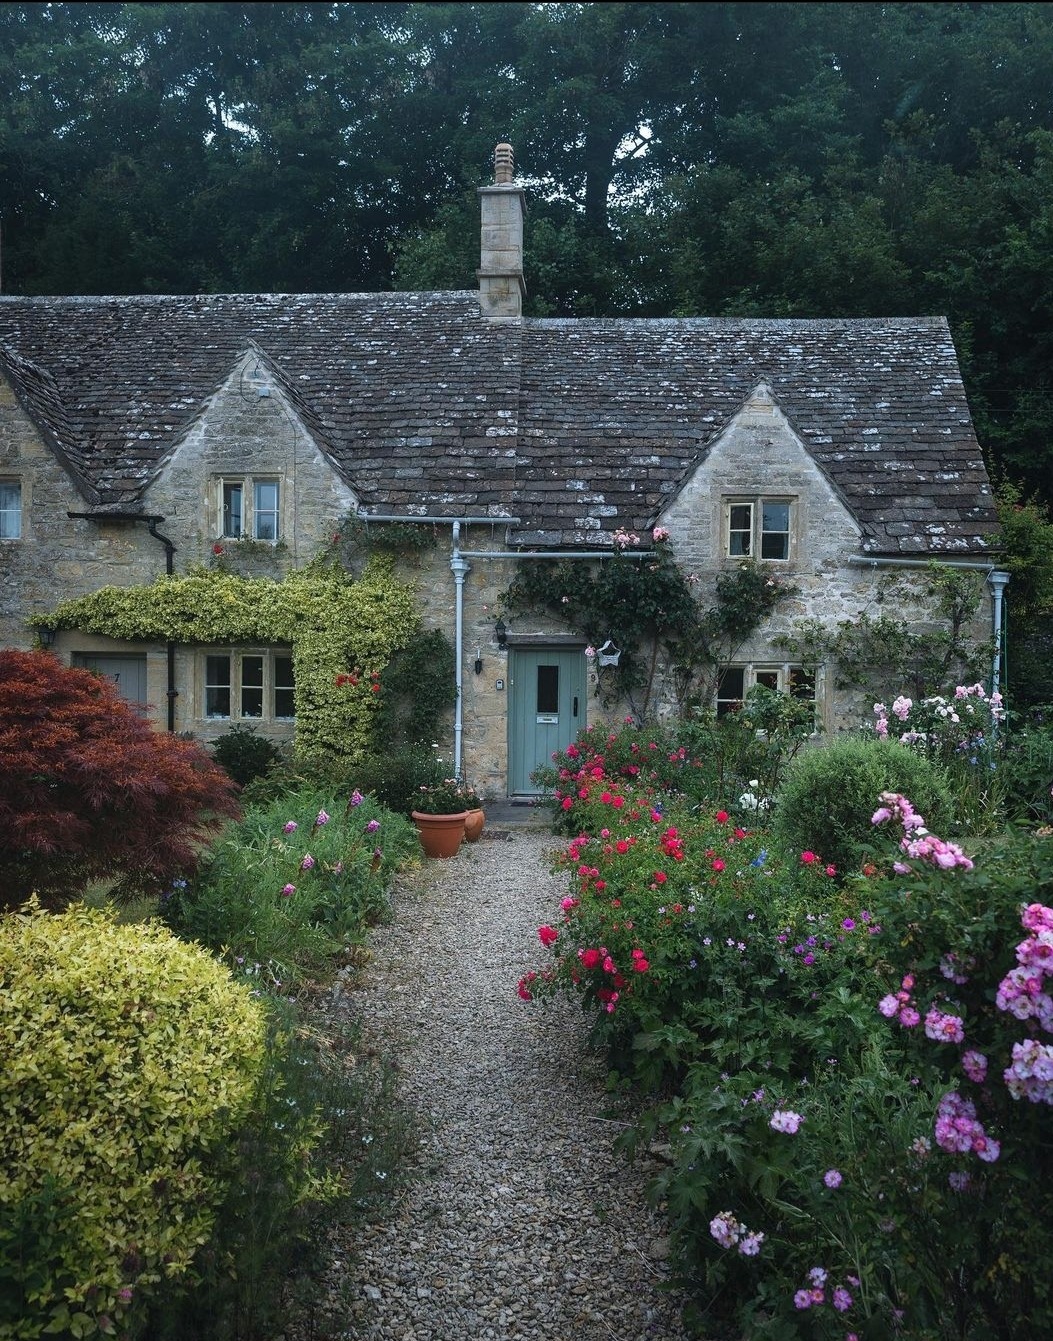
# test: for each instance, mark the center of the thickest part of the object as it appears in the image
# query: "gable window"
(257, 685)
(10, 510)
(759, 528)
(250, 509)
(735, 682)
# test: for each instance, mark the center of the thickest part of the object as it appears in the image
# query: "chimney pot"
(504, 165)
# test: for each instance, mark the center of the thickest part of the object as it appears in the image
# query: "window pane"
(802, 682)
(548, 689)
(265, 510)
(252, 686)
(232, 509)
(740, 529)
(283, 687)
(768, 678)
(10, 510)
(730, 690)
(217, 686)
(775, 530)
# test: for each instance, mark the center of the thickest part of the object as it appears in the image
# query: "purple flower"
(803, 1299)
(290, 826)
(842, 1299)
(288, 891)
(307, 863)
(357, 798)
(975, 1065)
(832, 1178)
(725, 1229)
(750, 1245)
(373, 826)
(786, 1121)
(323, 818)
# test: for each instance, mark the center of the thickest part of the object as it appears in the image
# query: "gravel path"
(521, 1220)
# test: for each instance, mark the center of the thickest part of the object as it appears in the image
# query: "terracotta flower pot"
(440, 835)
(473, 825)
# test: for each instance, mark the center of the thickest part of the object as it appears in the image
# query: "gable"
(759, 456)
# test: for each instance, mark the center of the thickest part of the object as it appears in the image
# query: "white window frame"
(787, 677)
(11, 512)
(745, 517)
(259, 684)
(252, 517)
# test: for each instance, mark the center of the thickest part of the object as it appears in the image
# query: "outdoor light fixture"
(501, 633)
(478, 661)
(45, 635)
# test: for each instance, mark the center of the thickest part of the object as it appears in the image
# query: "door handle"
(575, 711)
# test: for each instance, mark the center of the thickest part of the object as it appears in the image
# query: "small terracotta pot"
(440, 835)
(473, 825)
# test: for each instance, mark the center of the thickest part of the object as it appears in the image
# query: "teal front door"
(546, 710)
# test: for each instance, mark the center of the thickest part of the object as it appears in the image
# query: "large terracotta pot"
(440, 835)
(473, 825)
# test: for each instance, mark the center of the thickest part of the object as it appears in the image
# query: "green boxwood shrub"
(244, 755)
(130, 1060)
(830, 793)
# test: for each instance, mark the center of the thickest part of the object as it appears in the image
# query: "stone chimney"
(501, 283)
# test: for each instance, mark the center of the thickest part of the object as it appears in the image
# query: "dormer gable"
(250, 469)
(758, 493)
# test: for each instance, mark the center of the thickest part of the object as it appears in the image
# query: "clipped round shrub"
(831, 793)
(244, 755)
(130, 1060)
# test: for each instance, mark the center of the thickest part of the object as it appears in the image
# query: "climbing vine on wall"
(885, 655)
(333, 624)
(652, 612)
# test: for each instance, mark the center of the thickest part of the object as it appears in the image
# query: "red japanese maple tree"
(88, 790)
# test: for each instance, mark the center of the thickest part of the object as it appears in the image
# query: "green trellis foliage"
(332, 623)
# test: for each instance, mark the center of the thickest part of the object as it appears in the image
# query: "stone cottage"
(140, 434)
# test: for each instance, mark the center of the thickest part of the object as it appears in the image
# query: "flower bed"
(852, 1081)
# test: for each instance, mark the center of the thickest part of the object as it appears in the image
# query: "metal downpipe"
(460, 567)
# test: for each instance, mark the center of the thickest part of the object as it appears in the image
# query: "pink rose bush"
(960, 732)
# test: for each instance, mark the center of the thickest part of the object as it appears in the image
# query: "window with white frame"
(758, 528)
(735, 682)
(250, 508)
(10, 510)
(255, 685)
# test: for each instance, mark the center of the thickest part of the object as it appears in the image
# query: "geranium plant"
(449, 797)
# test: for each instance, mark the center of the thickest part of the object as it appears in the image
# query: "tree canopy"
(726, 159)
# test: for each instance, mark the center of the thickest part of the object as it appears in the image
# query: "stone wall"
(56, 557)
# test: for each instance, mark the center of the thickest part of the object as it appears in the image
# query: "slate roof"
(576, 426)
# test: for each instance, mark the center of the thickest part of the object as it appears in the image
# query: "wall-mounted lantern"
(501, 633)
(608, 654)
(46, 635)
